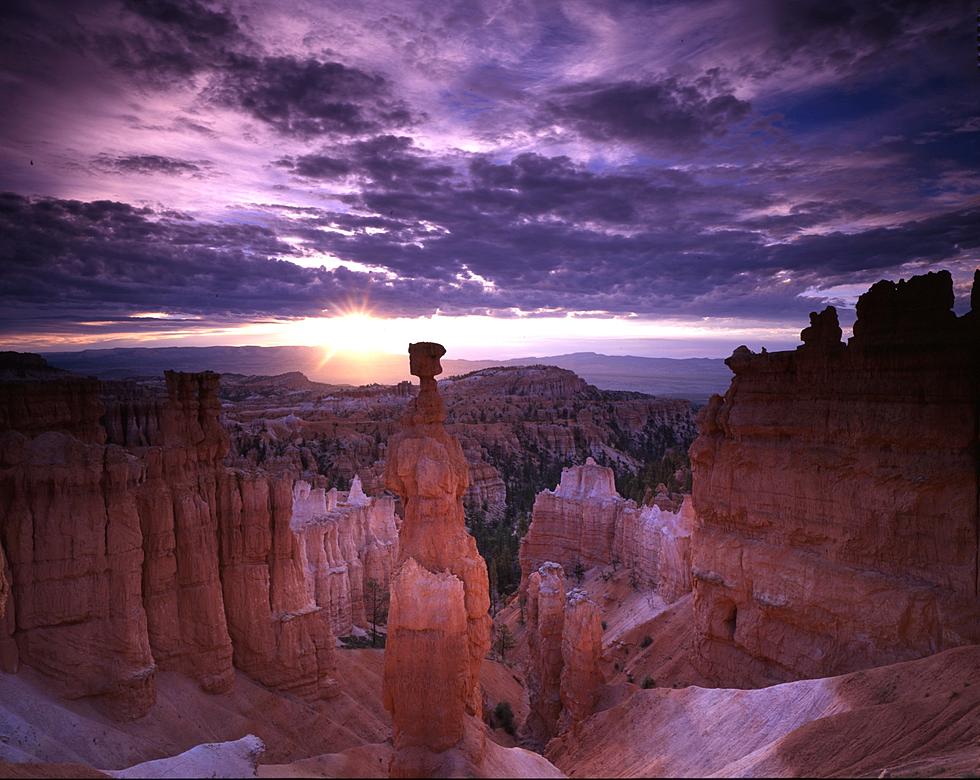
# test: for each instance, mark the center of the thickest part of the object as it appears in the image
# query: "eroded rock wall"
(564, 640)
(836, 491)
(585, 522)
(349, 545)
(131, 547)
(545, 623)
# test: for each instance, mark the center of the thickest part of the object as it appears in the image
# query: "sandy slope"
(40, 726)
(920, 716)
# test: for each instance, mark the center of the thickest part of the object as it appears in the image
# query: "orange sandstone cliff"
(131, 547)
(836, 490)
(564, 638)
(585, 522)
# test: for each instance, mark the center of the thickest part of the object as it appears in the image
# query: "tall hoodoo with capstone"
(438, 623)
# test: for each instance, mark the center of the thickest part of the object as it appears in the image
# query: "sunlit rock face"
(564, 637)
(585, 522)
(438, 623)
(347, 540)
(836, 494)
(131, 547)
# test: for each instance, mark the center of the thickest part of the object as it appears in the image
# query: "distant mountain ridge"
(692, 378)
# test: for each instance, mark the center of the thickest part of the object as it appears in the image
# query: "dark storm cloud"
(150, 164)
(546, 230)
(307, 97)
(665, 112)
(105, 260)
(847, 35)
(384, 160)
(159, 40)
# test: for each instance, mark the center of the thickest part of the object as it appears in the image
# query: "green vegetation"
(377, 603)
(503, 640)
(503, 717)
(661, 470)
(648, 682)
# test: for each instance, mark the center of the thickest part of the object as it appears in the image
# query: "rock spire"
(438, 624)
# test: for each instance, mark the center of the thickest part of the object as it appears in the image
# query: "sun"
(352, 330)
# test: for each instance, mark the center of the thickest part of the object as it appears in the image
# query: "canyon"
(191, 568)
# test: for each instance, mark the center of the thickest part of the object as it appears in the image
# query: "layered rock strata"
(349, 544)
(564, 638)
(585, 522)
(581, 649)
(131, 547)
(438, 623)
(836, 494)
(545, 621)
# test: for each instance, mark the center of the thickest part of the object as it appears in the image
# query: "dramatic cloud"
(150, 164)
(307, 98)
(237, 162)
(663, 113)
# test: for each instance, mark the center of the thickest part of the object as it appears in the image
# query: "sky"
(505, 177)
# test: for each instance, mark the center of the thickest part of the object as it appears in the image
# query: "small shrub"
(504, 716)
(648, 682)
(647, 641)
(629, 677)
(605, 625)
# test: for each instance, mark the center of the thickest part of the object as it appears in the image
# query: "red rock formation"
(111, 526)
(182, 444)
(836, 495)
(564, 638)
(281, 637)
(345, 545)
(545, 623)
(487, 492)
(581, 648)
(438, 626)
(71, 530)
(584, 521)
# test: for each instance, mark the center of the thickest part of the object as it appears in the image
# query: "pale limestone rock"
(588, 481)
(343, 546)
(214, 759)
(585, 521)
(356, 495)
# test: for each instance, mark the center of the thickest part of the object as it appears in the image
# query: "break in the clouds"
(221, 164)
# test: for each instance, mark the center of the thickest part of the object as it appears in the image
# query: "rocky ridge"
(836, 490)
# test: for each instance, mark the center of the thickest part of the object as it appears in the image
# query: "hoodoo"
(438, 625)
(564, 641)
